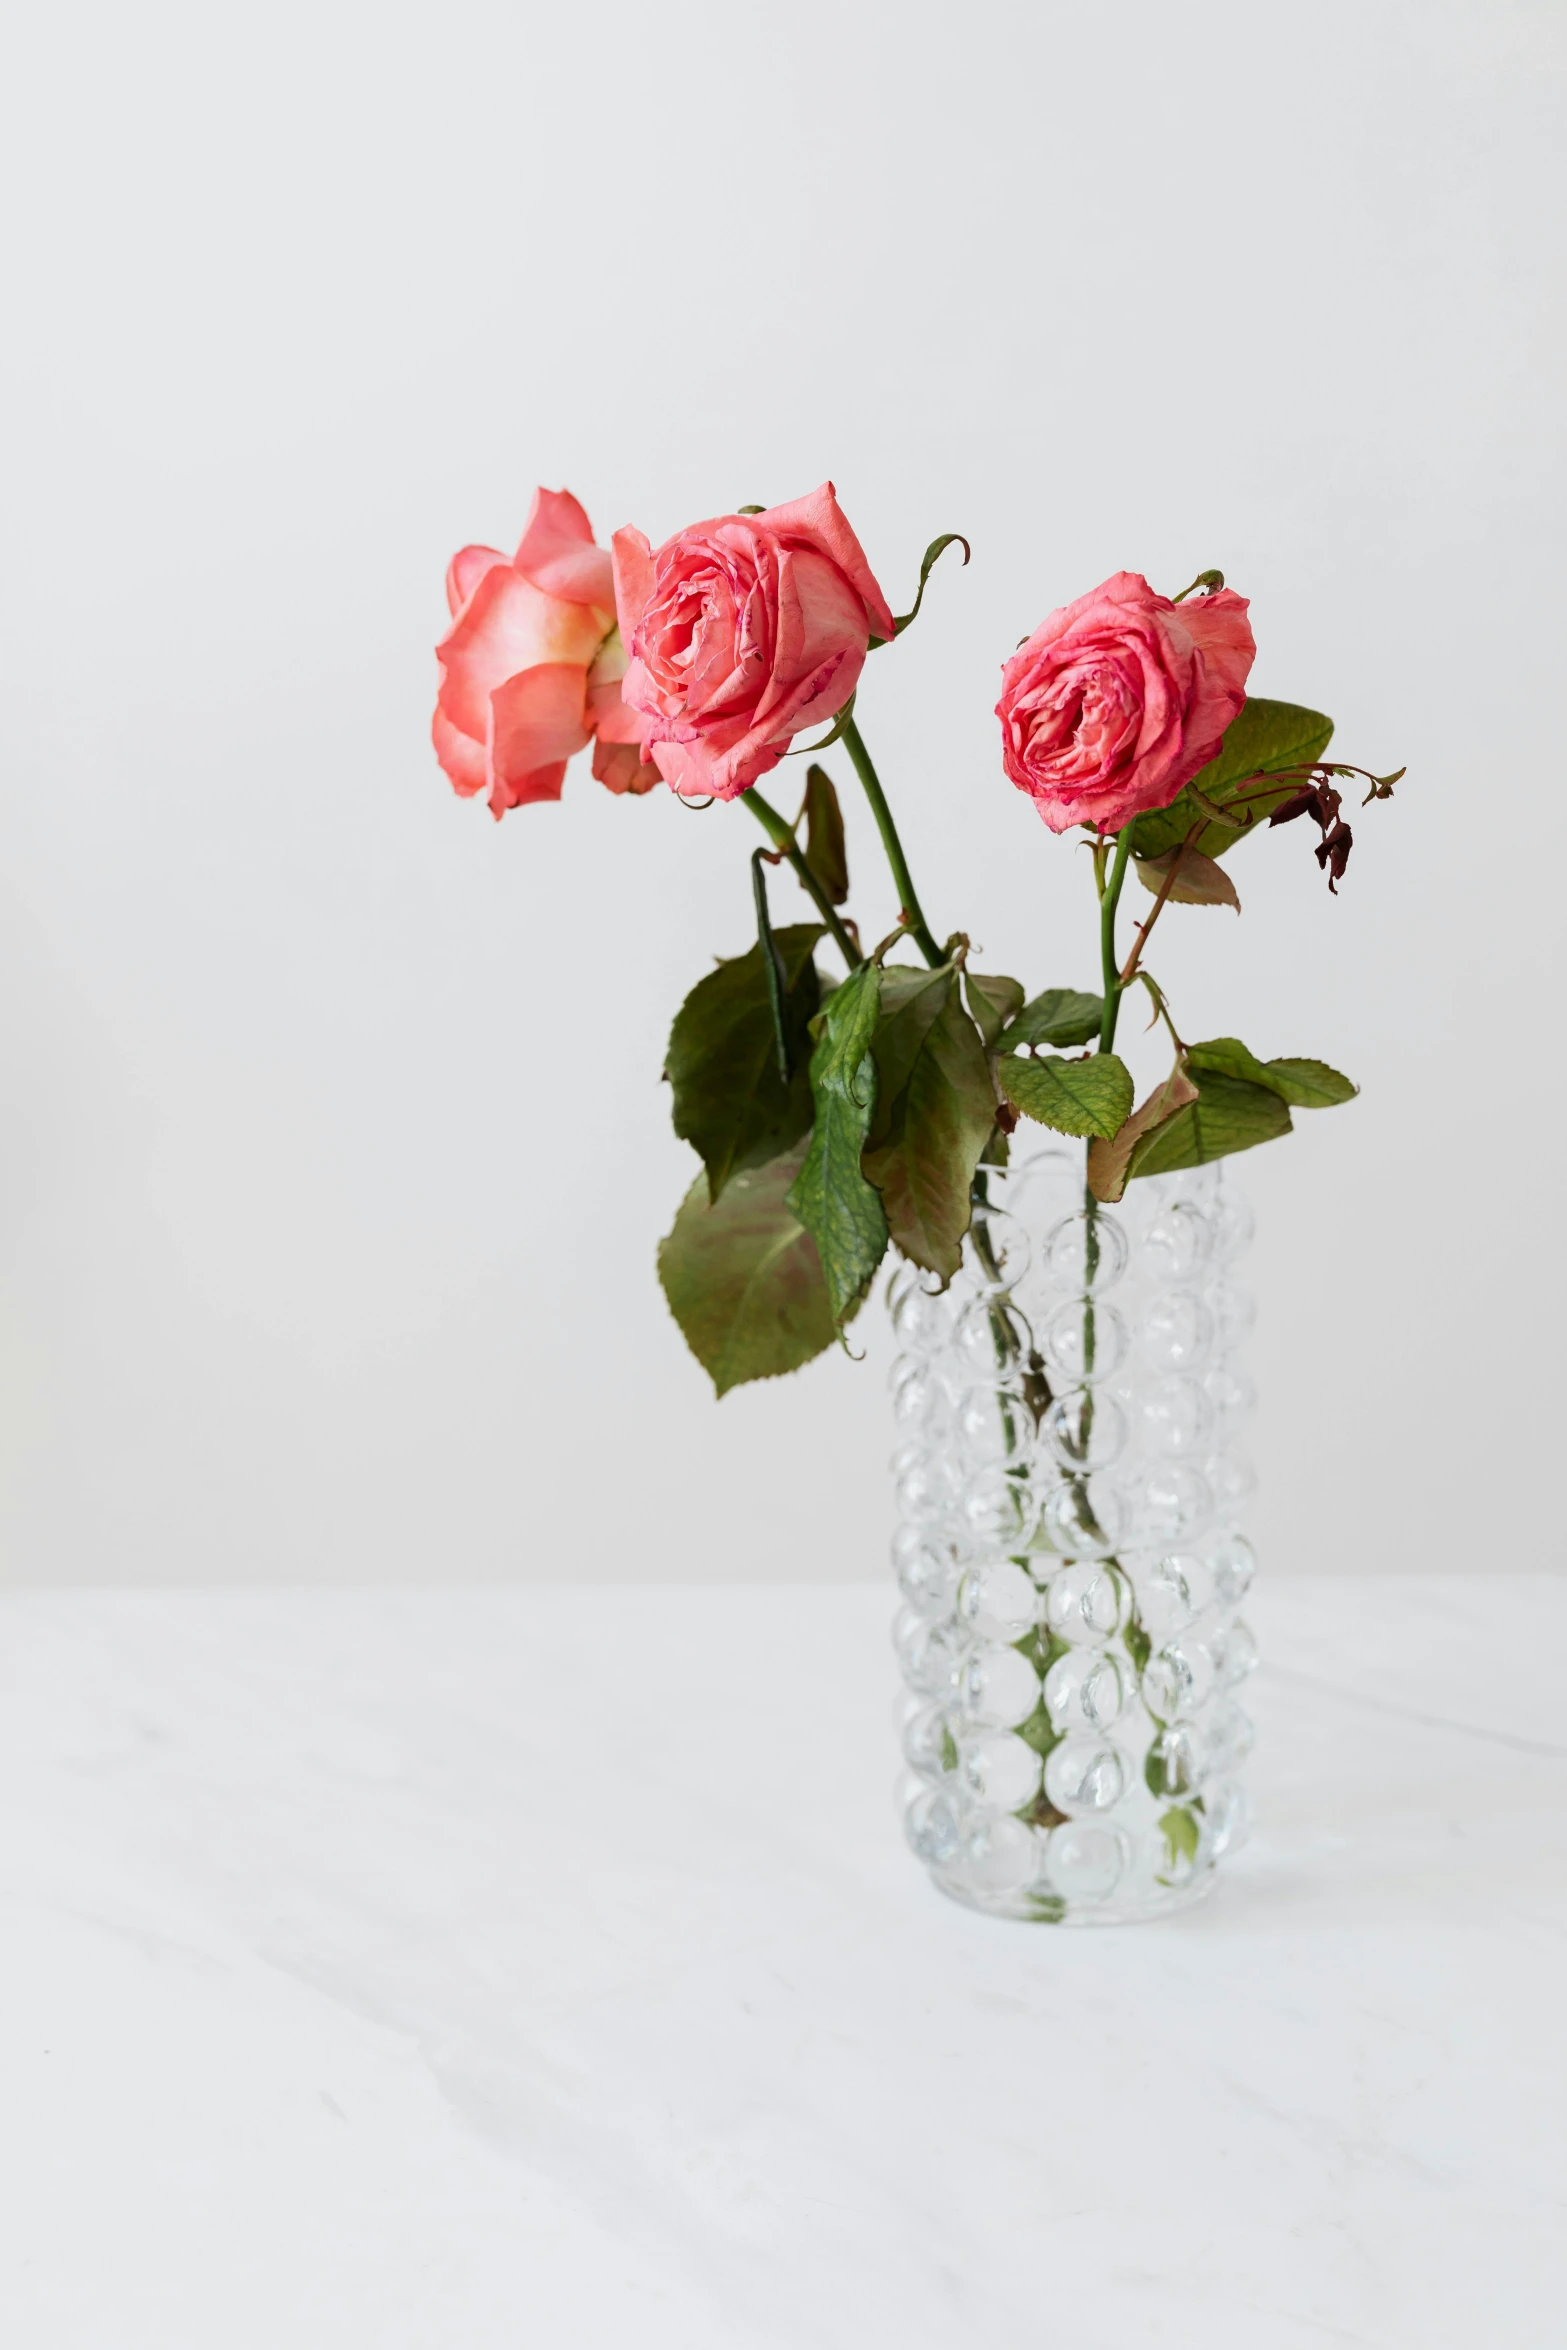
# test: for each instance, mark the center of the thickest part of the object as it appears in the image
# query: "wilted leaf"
(993, 1003)
(1310, 1085)
(1061, 1016)
(939, 1123)
(729, 1101)
(911, 1001)
(1228, 1115)
(826, 851)
(841, 1211)
(1264, 737)
(1198, 880)
(1092, 1096)
(743, 1278)
(1108, 1162)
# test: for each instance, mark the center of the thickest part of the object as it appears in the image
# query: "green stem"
(782, 837)
(1090, 1314)
(908, 903)
(772, 963)
(1107, 956)
(1109, 900)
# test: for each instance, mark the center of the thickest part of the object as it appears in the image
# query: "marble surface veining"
(472, 1969)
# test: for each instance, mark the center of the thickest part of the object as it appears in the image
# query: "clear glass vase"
(1069, 1495)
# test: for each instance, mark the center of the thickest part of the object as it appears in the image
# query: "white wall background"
(334, 1153)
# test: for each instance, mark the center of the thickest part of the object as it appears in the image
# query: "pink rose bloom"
(532, 663)
(1117, 700)
(742, 632)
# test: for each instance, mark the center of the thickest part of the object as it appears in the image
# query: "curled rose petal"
(557, 553)
(463, 759)
(538, 720)
(617, 728)
(620, 767)
(464, 572)
(819, 521)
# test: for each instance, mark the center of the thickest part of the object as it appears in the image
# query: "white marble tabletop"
(483, 1970)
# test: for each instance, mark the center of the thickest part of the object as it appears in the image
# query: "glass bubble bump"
(1085, 1429)
(1081, 1344)
(1086, 1253)
(1000, 1601)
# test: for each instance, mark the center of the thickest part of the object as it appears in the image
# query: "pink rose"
(1117, 700)
(742, 632)
(531, 665)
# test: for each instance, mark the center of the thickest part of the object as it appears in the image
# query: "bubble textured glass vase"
(1070, 1496)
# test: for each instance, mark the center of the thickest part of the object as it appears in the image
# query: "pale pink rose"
(531, 665)
(742, 632)
(1117, 700)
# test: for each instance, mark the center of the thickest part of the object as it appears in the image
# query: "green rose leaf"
(1040, 1732)
(1264, 737)
(993, 1002)
(826, 851)
(842, 1212)
(923, 1154)
(1182, 1836)
(1309, 1085)
(1092, 1096)
(743, 1278)
(1061, 1016)
(1228, 1115)
(1226, 1056)
(730, 1103)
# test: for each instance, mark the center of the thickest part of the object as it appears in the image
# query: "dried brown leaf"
(1200, 881)
(1108, 1162)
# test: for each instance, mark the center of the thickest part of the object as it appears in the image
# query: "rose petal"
(633, 560)
(557, 553)
(507, 625)
(545, 783)
(464, 572)
(1224, 650)
(462, 758)
(611, 717)
(622, 767)
(690, 768)
(610, 662)
(818, 520)
(538, 716)
(538, 720)
(820, 644)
